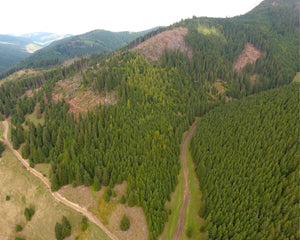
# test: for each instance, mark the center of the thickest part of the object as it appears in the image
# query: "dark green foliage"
(66, 227)
(107, 194)
(12, 50)
(54, 183)
(125, 223)
(96, 41)
(131, 199)
(7, 198)
(84, 224)
(246, 156)
(114, 194)
(136, 138)
(189, 232)
(122, 199)
(19, 228)
(29, 212)
(58, 231)
(62, 230)
(2, 148)
(19, 238)
(96, 184)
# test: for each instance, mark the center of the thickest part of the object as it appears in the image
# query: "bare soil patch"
(80, 98)
(249, 55)
(219, 85)
(173, 39)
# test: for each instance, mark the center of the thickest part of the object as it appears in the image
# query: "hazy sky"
(75, 17)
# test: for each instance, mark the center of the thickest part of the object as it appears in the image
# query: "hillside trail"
(56, 195)
(186, 195)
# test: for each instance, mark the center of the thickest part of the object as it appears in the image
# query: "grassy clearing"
(192, 219)
(26, 190)
(297, 78)
(174, 206)
(110, 213)
(1, 131)
(35, 118)
(191, 215)
(43, 168)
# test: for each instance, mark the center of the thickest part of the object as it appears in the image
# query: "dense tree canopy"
(246, 156)
(137, 137)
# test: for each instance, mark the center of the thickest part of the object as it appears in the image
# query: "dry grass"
(1, 131)
(24, 190)
(249, 55)
(43, 168)
(153, 47)
(110, 213)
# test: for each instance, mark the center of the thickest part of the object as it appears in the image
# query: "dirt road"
(56, 195)
(186, 186)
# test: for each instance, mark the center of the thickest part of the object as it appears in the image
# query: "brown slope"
(173, 39)
(249, 55)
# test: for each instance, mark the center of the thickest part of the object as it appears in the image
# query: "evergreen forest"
(246, 144)
(246, 156)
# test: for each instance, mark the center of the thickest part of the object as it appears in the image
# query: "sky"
(76, 17)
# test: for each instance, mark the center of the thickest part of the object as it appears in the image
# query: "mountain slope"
(15, 48)
(12, 50)
(136, 137)
(80, 45)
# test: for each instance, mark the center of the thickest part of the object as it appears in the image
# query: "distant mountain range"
(14, 48)
(50, 49)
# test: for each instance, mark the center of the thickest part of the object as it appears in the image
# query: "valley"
(183, 132)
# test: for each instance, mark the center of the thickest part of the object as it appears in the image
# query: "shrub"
(66, 227)
(58, 231)
(29, 212)
(125, 223)
(19, 228)
(123, 199)
(19, 238)
(189, 232)
(84, 224)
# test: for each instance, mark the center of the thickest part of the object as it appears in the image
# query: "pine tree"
(125, 223)
(65, 227)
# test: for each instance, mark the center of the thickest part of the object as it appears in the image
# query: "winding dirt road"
(186, 195)
(56, 195)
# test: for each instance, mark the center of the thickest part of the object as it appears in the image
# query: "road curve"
(186, 186)
(56, 195)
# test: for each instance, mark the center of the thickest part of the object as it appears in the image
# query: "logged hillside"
(246, 156)
(136, 139)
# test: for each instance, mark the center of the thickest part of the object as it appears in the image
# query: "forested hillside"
(136, 138)
(246, 156)
(12, 50)
(96, 41)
